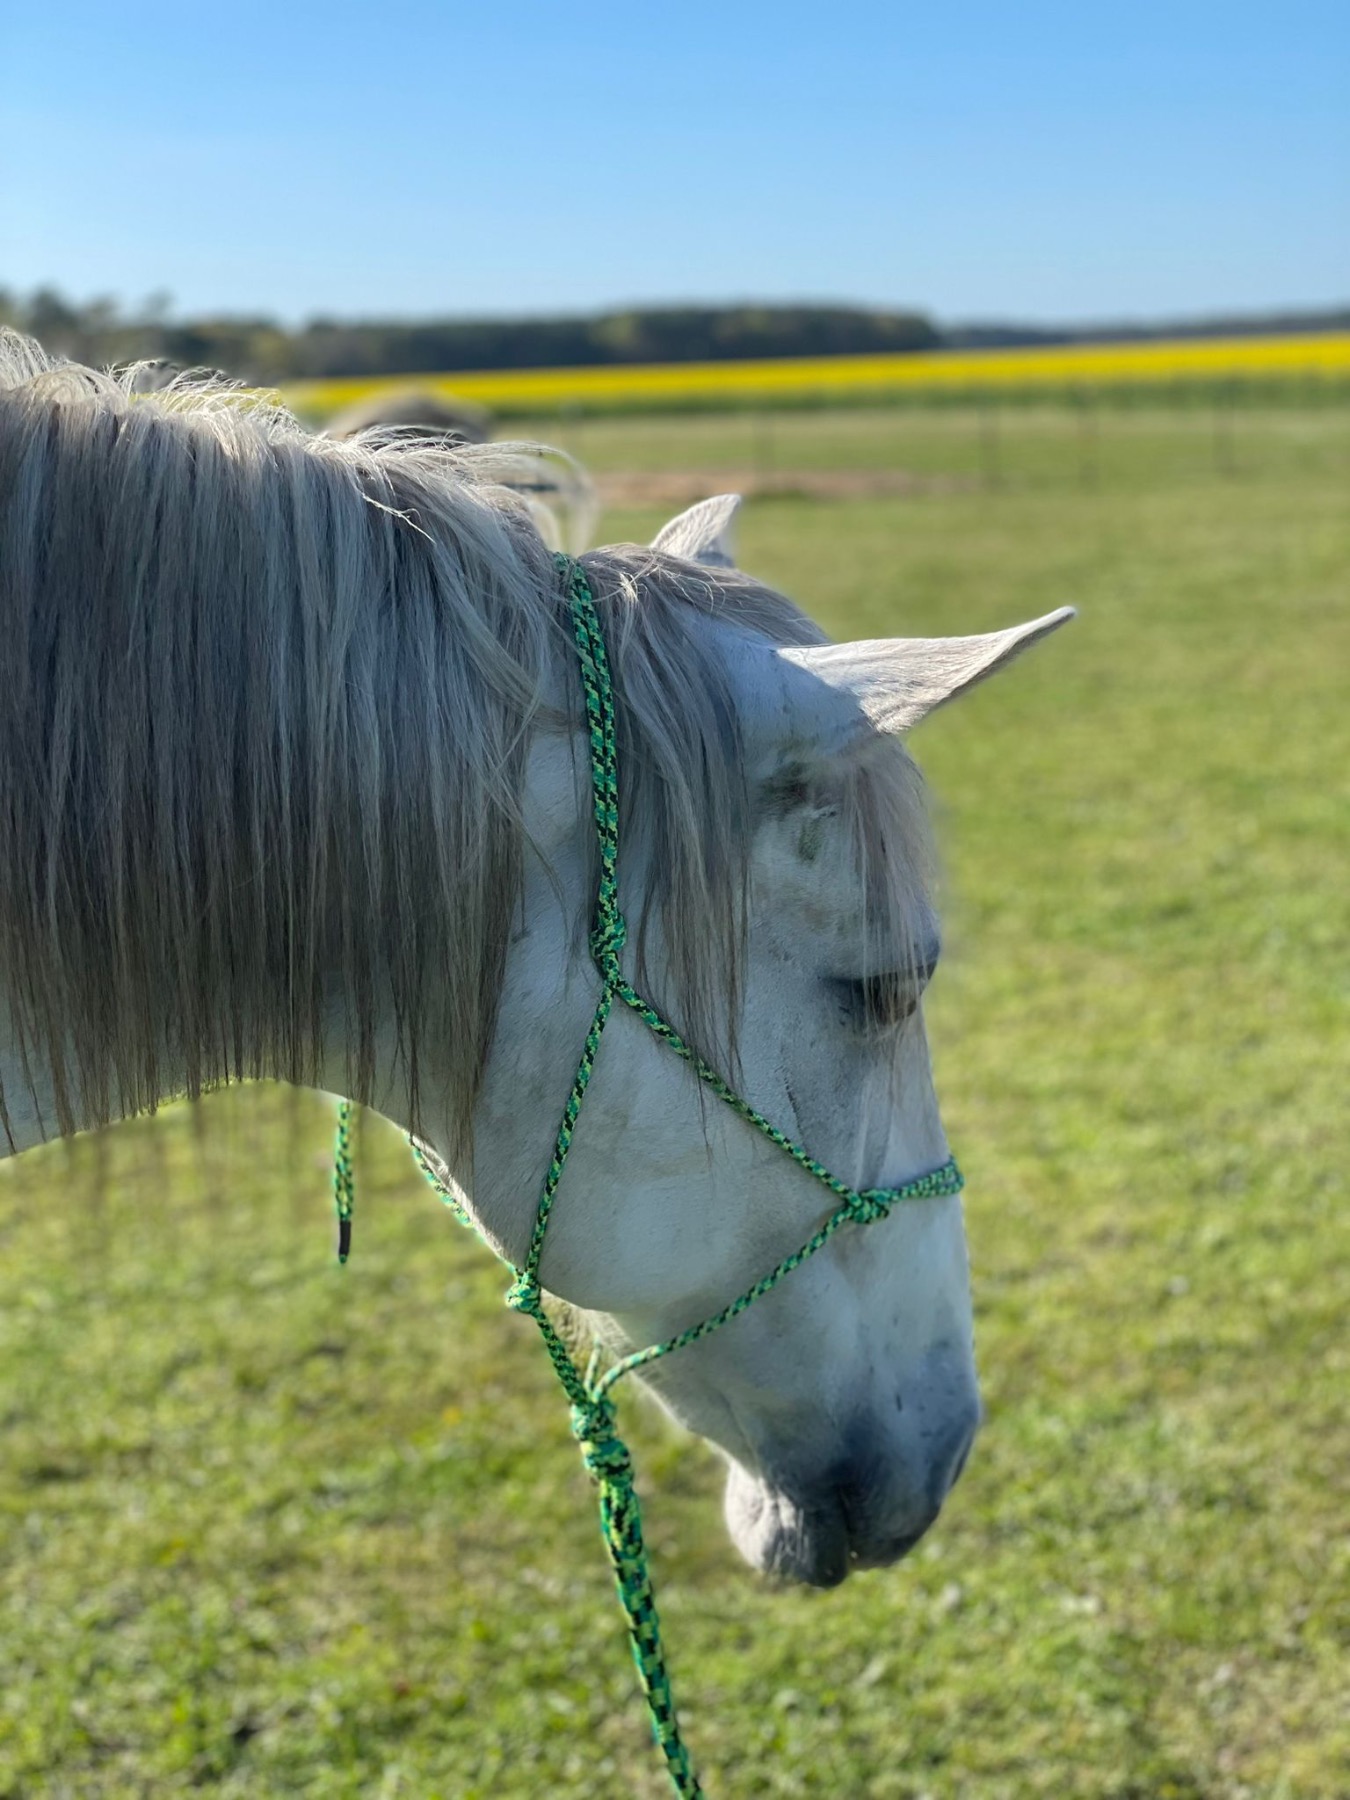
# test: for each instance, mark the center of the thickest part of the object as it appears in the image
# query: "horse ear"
(839, 694)
(703, 533)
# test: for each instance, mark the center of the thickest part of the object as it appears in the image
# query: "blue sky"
(1034, 161)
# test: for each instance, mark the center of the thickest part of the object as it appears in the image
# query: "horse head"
(844, 1401)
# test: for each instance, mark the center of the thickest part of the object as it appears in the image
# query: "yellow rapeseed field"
(862, 378)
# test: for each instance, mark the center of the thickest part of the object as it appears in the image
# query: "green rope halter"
(593, 1416)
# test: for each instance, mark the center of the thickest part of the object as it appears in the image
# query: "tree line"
(261, 350)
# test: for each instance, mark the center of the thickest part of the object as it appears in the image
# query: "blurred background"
(984, 312)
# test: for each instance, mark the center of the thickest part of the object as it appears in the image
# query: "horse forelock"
(263, 731)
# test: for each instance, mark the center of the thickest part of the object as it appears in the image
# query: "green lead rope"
(594, 1423)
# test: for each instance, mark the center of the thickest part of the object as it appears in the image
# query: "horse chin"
(810, 1538)
(780, 1536)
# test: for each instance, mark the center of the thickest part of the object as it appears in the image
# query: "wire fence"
(1081, 439)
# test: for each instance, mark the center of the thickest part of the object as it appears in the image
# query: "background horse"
(293, 786)
(418, 410)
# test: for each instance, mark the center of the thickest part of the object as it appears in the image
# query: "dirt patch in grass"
(681, 487)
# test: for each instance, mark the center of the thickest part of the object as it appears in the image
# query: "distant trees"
(258, 349)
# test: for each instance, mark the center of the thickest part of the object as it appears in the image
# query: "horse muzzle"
(864, 1510)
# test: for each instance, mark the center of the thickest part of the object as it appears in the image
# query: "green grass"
(1059, 449)
(272, 1529)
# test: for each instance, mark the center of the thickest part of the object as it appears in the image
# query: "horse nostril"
(881, 1552)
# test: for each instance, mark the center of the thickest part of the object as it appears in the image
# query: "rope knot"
(607, 940)
(523, 1295)
(869, 1206)
(602, 1450)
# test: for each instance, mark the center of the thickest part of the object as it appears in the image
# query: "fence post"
(990, 442)
(571, 413)
(1089, 467)
(1225, 461)
(762, 441)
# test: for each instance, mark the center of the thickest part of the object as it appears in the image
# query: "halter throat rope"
(590, 1389)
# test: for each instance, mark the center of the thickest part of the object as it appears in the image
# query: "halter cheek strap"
(594, 1424)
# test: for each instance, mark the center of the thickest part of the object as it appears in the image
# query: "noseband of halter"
(593, 1414)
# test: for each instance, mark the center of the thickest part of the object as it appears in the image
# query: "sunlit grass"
(1065, 450)
(272, 1528)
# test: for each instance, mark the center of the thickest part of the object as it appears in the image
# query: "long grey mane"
(264, 713)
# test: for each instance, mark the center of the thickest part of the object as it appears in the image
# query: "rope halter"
(594, 1419)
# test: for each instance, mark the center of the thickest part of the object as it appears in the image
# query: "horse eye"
(883, 1001)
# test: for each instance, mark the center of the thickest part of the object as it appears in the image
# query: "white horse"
(293, 784)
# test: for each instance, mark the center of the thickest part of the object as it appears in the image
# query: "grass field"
(273, 1529)
(1056, 449)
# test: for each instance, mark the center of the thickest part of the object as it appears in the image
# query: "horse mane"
(266, 707)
